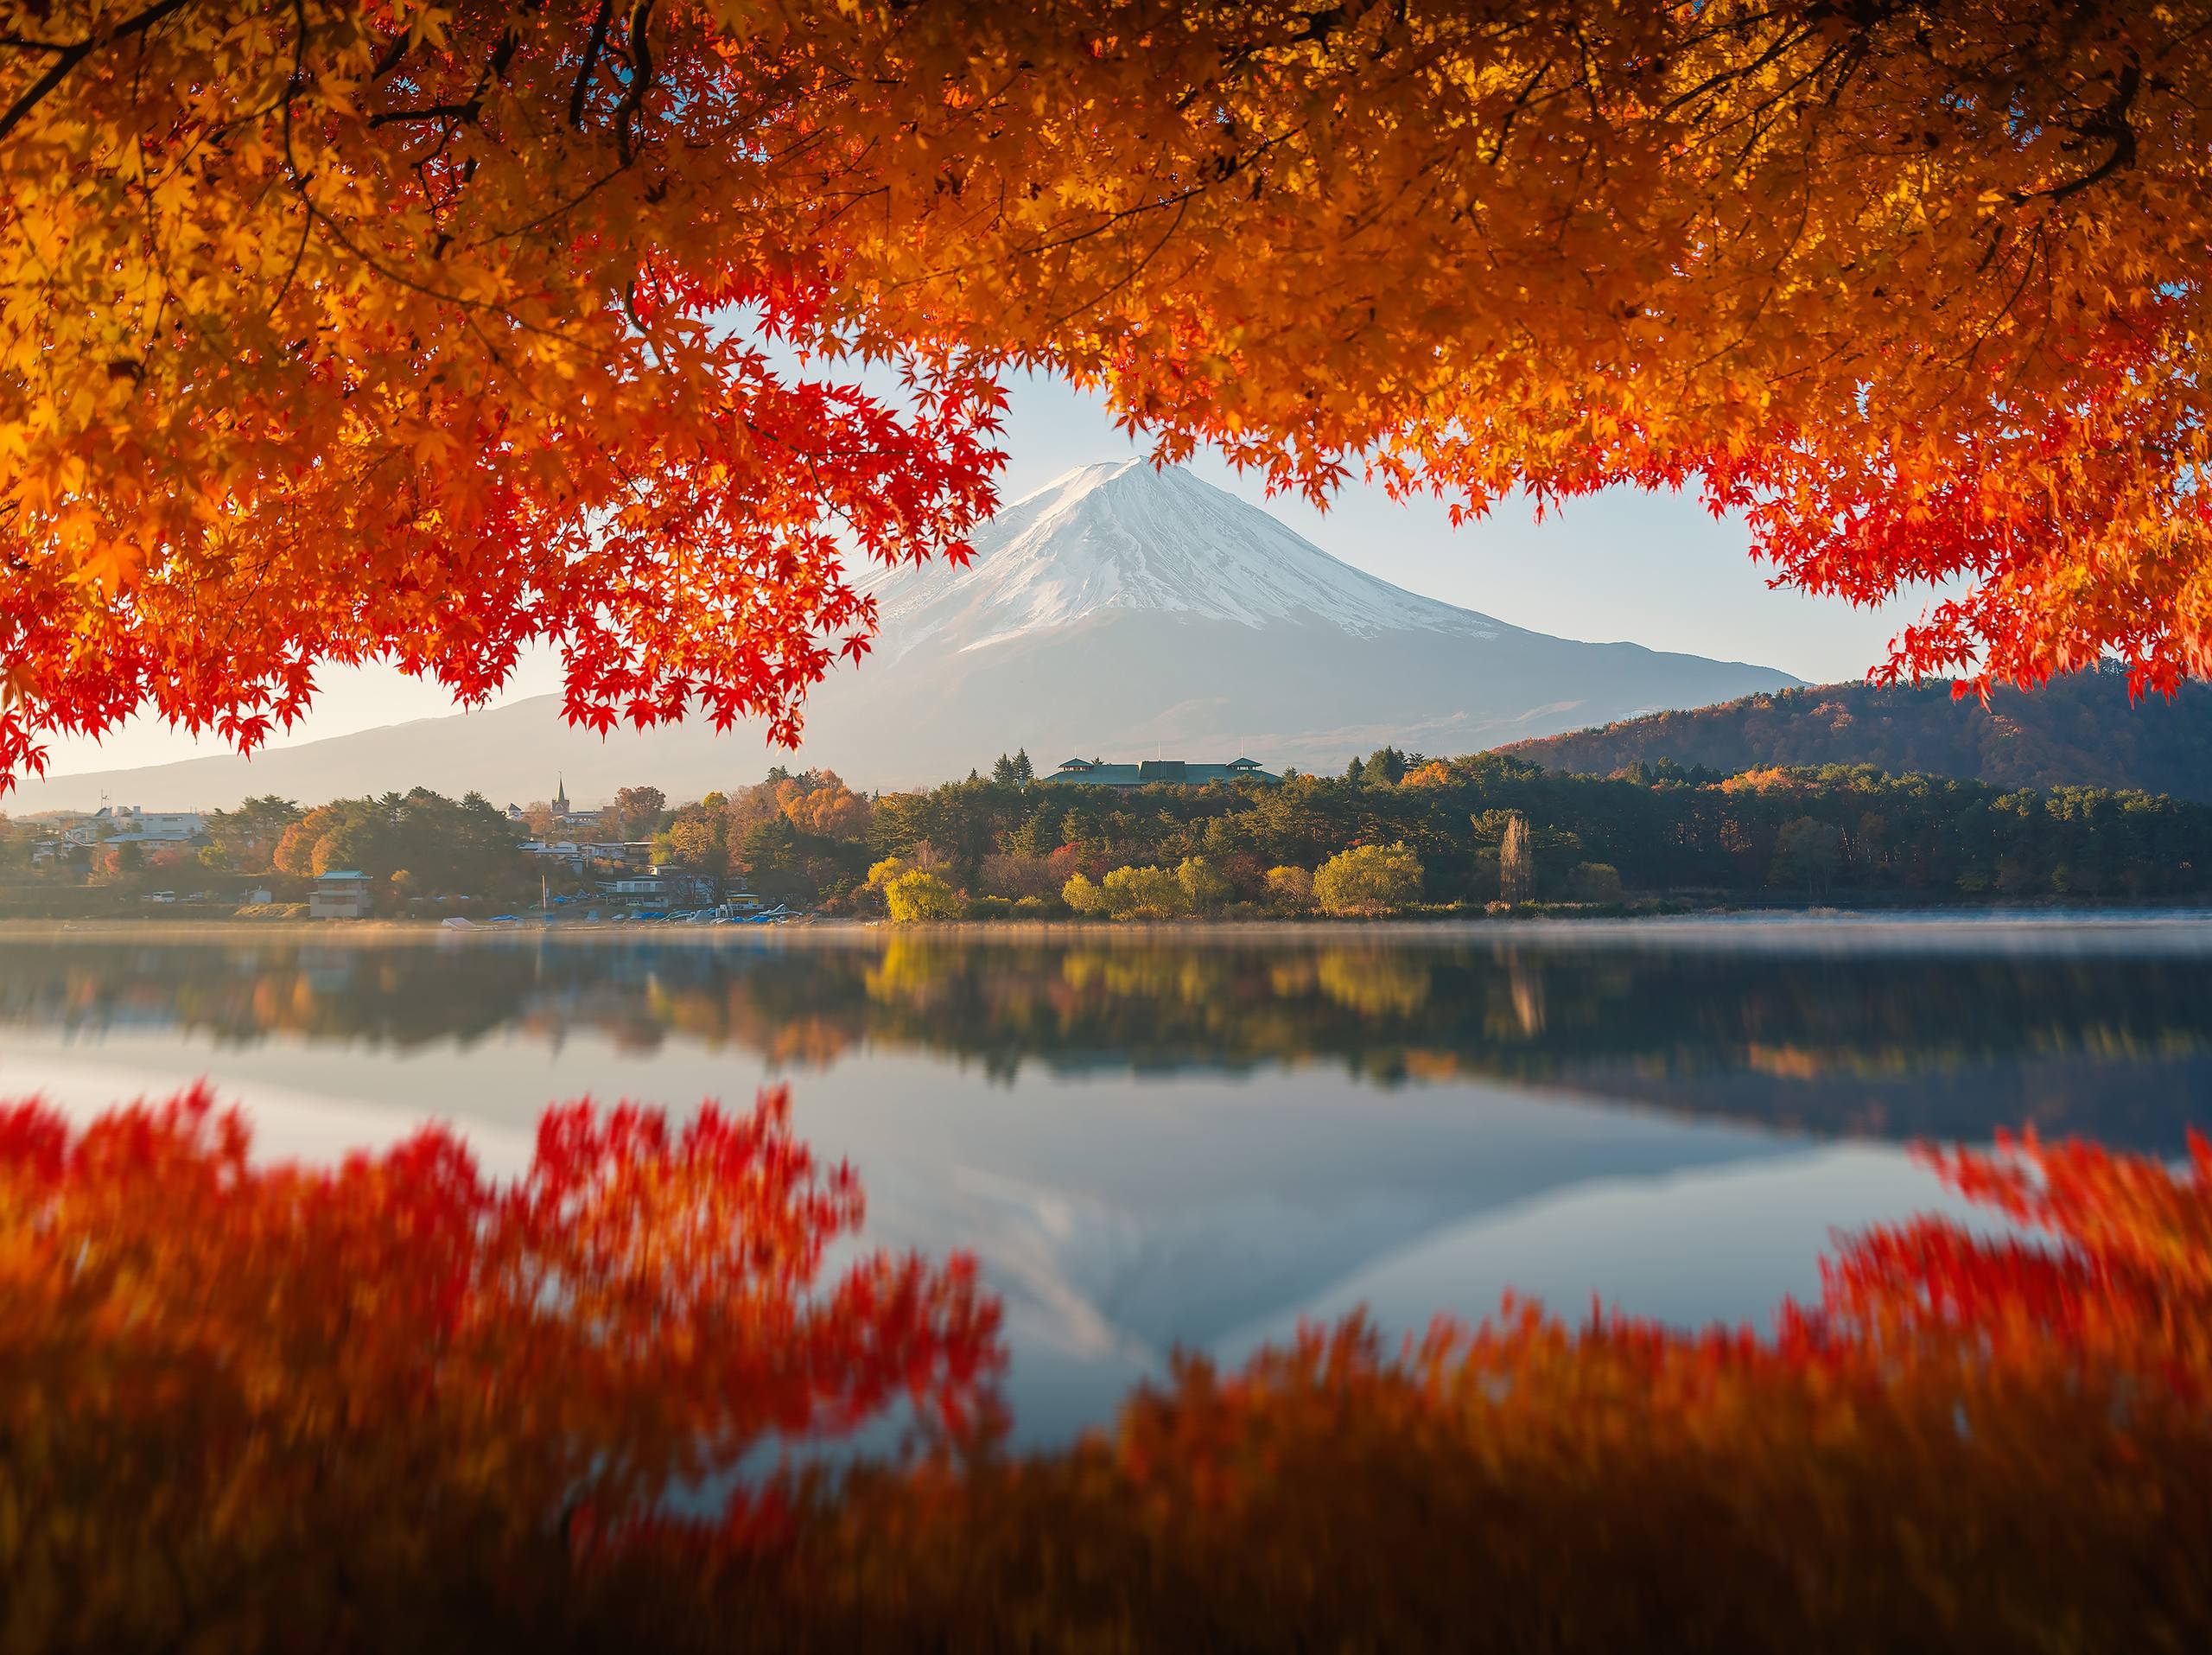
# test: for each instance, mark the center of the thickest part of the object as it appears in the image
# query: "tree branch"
(69, 57)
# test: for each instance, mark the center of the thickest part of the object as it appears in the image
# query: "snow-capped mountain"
(1118, 611)
(1124, 536)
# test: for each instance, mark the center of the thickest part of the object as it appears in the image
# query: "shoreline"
(1936, 926)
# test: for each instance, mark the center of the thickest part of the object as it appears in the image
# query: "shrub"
(990, 908)
(1368, 879)
(1010, 873)
(1290, 887)
(1204, 889)
(394, 1405)
(1594, 882)
(1142, 893)
(918, 894)
(1081, 895)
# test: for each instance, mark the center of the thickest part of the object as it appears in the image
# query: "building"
(128, 824)
(340, 896)
(562, 812)
(1126, 778)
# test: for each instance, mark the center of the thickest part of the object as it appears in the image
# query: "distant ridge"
(2080, 730)
(1120, 609)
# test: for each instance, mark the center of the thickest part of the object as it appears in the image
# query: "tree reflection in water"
(392, 1405)
(1895, 1043)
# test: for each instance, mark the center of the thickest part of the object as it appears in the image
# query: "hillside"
(1118, 611)
(2081, 731)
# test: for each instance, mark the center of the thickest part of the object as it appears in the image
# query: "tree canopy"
(348, 329)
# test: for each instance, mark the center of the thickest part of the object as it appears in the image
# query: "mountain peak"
(1122, 536)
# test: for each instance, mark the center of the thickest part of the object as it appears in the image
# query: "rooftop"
(1189, 773)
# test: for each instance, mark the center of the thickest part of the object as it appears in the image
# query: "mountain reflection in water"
(1163, 1140)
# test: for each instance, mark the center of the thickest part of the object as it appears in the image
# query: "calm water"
(1197, 1141)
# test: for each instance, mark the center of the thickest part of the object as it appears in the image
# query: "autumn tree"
(465, 847)
(244, 841)
(1368, 880)
(821, 803)
(341, 331)
(635, 813)
(918, 894)
(335, 1401)
(1516, 862)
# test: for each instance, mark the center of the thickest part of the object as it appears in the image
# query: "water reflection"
(1875, 1041)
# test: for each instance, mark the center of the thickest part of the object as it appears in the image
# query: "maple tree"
(367, 328)
(280, 1405)
(393, 1401)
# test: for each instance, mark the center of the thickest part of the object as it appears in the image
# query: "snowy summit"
(1120, 537)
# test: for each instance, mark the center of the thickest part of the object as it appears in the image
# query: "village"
(573, 857)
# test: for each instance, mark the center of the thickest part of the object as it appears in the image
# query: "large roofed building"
(1179, 773)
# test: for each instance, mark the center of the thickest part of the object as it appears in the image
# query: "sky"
(1622, 566)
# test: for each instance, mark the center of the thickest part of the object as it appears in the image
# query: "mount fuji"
(1120, 610)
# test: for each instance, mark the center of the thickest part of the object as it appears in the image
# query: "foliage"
(466, 846)
(1018, 874)
(819, 803)
(1141, 894)
(1806, 852)
(1594, 882)
(1290, 887)
(1204, 888)
(1517, 861)
(1368, 879)
(393, 1403)
(340, 331)
(364, 1406)
(635, 814)
(2085, 730)
(244, 841)
(1968, 1442)
(1081, 895)
(918, 894)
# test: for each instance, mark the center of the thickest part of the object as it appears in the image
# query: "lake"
(1195, 1138)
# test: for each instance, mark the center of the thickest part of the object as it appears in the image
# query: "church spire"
(560, 796)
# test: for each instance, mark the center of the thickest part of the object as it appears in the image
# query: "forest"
(1396, 833)
(2086, 729)
(1823, 834)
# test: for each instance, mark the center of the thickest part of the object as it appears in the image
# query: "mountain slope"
(1123, 538)
(2081, 730)
(1118, 610)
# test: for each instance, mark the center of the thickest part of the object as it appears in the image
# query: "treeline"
(2080, 730)
(1812, 833)
(1397, 832)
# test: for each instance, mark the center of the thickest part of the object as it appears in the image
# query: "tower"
(561, 797)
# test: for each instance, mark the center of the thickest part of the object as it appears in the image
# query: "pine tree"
(1023, 772)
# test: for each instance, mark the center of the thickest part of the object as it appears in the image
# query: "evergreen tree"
(1023, 772)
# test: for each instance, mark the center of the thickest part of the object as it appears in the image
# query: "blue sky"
(1650, 568)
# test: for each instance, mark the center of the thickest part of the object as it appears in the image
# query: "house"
(638, 892)
(340, 896)
(1126, 778)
